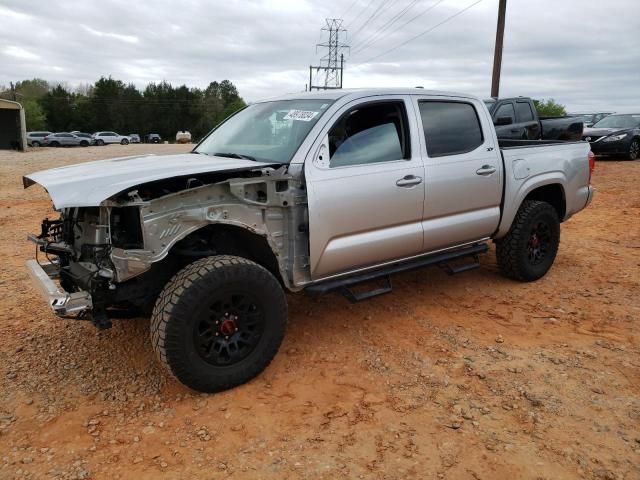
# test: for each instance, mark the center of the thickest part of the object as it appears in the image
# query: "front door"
(365, 185)
(463, 172)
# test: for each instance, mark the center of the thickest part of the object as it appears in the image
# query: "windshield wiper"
(234, 155)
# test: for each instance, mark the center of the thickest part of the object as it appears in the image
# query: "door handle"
(486, 170)
(409, 181)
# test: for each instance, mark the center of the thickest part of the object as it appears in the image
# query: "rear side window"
(523, 109)
(370, 133)
(450, 128)
(506, 110)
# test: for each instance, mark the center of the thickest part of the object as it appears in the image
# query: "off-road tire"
(186, 303)
(634, 150)
(513, 251)
(124, 141)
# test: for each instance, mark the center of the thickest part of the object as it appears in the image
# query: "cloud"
(566, 50)
(117, 36)
(19, 52)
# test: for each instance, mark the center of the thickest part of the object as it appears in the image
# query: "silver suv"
(65, 139)
(103, 138)
(34, 139)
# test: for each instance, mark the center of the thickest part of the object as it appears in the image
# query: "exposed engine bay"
(123, 252)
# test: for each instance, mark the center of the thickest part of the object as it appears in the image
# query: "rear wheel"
(84, 143)
(219, 322)
(124, 142)
(35, 144)
(634, 150)
(527, 252)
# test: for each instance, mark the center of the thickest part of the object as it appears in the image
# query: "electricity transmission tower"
(332, 67)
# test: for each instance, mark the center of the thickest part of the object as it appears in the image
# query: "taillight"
(592, 164)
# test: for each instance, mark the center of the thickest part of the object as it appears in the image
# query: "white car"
(103, 138)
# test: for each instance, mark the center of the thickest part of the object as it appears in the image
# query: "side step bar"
(343, 284)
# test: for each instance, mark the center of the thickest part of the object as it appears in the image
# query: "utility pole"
(333, 72)
(497, 54)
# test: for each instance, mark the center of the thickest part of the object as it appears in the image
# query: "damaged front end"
(77, 247)
(112, 259)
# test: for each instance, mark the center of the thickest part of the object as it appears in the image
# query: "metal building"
(13, 134)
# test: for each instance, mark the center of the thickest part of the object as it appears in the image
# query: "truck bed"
(505, 143)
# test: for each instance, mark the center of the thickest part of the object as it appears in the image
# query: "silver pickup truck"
(326, 191)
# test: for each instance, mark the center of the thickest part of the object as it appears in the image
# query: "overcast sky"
(583, 53)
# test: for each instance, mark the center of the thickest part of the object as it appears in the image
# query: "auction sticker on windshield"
(301, 115)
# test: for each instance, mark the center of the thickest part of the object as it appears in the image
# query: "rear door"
(527, 121)
(365, 181)
(503, 111)
(463, 171)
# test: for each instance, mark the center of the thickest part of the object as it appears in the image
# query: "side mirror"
(321, 158)
(503, 121)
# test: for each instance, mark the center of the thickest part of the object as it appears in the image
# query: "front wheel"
(634, 150)
(219, 322)
(100, 142)
(54, 144)
(527, 252)
(84, 143)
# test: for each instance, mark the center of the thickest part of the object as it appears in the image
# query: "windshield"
(619, 121)
(266, 132)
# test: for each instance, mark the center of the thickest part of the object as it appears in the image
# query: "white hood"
(89, 184)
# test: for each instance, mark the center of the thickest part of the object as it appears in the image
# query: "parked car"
(152, 138)
(64, 139)
(517, 119)
(617, 134)
(104, 138)
(311, 191)
(183, 137)
(34, 139)
(589, 119)
(88, 136)
(134, 138)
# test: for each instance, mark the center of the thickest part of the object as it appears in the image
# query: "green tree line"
(110, 104)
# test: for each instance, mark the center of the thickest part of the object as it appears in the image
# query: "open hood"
(89, 184)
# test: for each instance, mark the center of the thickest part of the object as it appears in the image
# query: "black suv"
(152, 138)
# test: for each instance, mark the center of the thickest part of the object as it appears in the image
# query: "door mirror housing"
(503, 121)
(321, 158)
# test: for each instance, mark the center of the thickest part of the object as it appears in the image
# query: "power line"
(366, 7)
(371, 18)
(387, 25)
(348, 9)
(431, 29)
(412, 19)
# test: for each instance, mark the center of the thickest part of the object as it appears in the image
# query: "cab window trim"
(405, 131)
(483, 137)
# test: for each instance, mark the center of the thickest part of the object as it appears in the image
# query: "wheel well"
(227, 240)
(552, 194)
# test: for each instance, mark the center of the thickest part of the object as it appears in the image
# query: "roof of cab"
(354, 93)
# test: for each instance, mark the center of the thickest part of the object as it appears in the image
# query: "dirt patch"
(473, 376)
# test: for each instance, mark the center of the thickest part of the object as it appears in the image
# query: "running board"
(343, 285)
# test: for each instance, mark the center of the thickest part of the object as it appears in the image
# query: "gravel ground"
(466, 377)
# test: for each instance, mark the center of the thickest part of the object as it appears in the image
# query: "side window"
(370, 133)
(523, 109)
(506, 110)
(450, 128)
